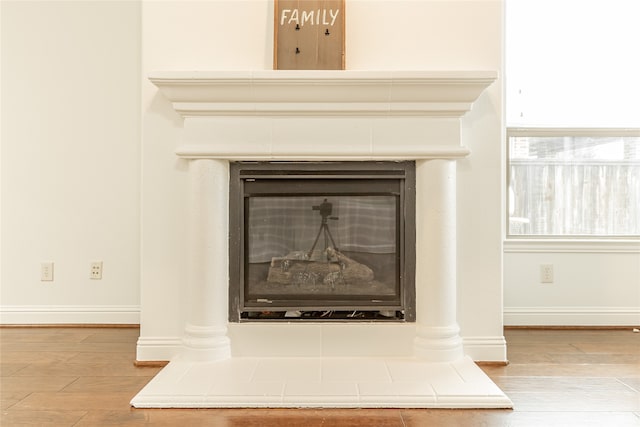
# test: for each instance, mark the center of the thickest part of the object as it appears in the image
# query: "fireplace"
(322, 241)
(341, 118)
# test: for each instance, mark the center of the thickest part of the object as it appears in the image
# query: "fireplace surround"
(321, 116)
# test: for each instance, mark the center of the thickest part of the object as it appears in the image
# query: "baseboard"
(486, 349)
(569, 328)
(161, 349)
(69, 314)
(157, 349)
(571, 316)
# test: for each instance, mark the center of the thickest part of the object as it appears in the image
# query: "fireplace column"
(437, 332)
(207, 277)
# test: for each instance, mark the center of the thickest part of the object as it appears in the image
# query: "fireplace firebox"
(322, 241)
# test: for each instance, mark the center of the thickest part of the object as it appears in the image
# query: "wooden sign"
(309, 35)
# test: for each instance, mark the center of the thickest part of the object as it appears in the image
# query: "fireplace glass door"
(321, 241)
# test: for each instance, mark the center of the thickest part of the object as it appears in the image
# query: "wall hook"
(326, 32)
(297, 51)
(297, 27)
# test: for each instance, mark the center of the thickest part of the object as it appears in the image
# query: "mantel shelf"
(304, 93)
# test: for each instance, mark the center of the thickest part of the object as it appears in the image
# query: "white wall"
(595, 283)
(380, 35)
(70, 160)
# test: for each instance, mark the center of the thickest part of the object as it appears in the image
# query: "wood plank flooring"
(86, 377)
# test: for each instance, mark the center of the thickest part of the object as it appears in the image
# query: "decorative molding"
(571, 246)
(196, 151)
(326, 115)
(69, 314)
(322, 92)
(571, 316)
(195, 109)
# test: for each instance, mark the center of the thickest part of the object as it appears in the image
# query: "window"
(569, 184)
(573, 118)
(572, 63)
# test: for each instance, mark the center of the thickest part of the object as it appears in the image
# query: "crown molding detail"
(324, 93)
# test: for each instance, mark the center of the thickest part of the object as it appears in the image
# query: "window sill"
(519, 245)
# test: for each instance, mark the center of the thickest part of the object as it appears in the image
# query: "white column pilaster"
(437, 331)
(208, 259)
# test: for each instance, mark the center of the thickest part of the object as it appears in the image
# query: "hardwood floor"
(86, 377)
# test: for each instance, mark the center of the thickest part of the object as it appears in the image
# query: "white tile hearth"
(321, 382)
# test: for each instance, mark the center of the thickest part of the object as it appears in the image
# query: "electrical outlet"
(546, 273)
(46, 271)
(96, 270)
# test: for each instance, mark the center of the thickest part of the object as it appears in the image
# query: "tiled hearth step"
(322, 382)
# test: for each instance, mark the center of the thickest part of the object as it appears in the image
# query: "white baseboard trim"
(152, 349)
(571, 316)
(480, 349)
(486, 349)
(69, 314)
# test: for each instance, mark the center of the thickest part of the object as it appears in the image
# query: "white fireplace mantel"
(323, 93)
(321, 116)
